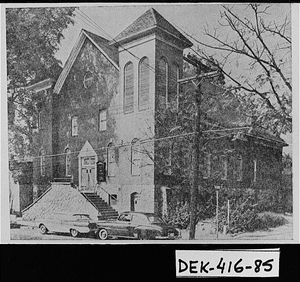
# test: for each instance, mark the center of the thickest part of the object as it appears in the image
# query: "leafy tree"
(260, 48)
(33, 36)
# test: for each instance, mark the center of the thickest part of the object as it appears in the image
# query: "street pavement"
(28, 231)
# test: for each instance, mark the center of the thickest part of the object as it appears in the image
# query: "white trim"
(45, 88)
(69, 63)
(136, 42)
(73, 56)
(40, 82)
(86, 151)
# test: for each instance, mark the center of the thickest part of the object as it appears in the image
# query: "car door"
(138, 222)
(123, 225)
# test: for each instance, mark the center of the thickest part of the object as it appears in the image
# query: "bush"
(267, 220)
(178, 215)
(249, 212)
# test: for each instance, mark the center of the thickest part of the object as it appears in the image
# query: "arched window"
(163, 80)
(68, 161)
(128, 87)
(42, 162)
(135, 157)
(143, 83)
(111, 159)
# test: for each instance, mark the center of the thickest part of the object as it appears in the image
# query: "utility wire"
(107, 35)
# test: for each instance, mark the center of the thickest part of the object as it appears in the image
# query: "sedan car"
(136, 225)
(76, 224)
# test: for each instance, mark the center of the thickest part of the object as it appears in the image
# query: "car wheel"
(43, 229)
(102, 234)
(74, 233)
(143, 235)
(139, 235)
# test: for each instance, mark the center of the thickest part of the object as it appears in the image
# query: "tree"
(261, 52)
(33, 36)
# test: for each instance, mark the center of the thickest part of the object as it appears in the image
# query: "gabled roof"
(100, 43)
(150, 20)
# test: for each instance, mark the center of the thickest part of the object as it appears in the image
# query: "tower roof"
(145, 24)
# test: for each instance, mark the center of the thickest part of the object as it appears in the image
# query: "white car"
(75, 224)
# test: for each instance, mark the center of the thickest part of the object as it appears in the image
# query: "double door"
(88, 173)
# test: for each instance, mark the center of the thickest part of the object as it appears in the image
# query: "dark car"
(136, 225)
(77, 223)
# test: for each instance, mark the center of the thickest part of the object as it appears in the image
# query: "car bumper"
(85, 229)
(168, 237)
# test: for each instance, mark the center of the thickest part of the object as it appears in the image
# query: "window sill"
(129, 112)
(143, 109)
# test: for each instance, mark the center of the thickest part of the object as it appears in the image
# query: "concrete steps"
(105, 210)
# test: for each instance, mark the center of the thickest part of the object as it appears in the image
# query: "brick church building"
(103, 108)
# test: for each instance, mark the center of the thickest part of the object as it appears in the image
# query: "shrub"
(247, 213)
(178, 215)
(267, 220)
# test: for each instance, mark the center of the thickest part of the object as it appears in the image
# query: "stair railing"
(110, 195)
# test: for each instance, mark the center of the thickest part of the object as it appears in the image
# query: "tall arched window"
(42, 162)
(111, 159)
(128, 87)
(68, 161)
(143, 83)
(135, 157)
(163, 80)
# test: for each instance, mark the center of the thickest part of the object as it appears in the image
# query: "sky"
(114, 18)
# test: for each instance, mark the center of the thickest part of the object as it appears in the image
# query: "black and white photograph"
(149, 123)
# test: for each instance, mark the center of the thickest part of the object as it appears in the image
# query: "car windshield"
(155, 219)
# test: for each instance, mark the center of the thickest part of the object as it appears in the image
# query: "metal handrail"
(106, 192)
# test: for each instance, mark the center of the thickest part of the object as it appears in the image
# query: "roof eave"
(118, 42)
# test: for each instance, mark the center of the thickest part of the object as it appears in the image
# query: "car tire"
(74, 232)
(102, 234)
(43, 229)
(143, 235)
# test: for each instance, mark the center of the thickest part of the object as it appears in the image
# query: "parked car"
(136, 225)
(76, 224)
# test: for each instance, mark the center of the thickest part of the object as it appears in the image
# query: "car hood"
(166, 229)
